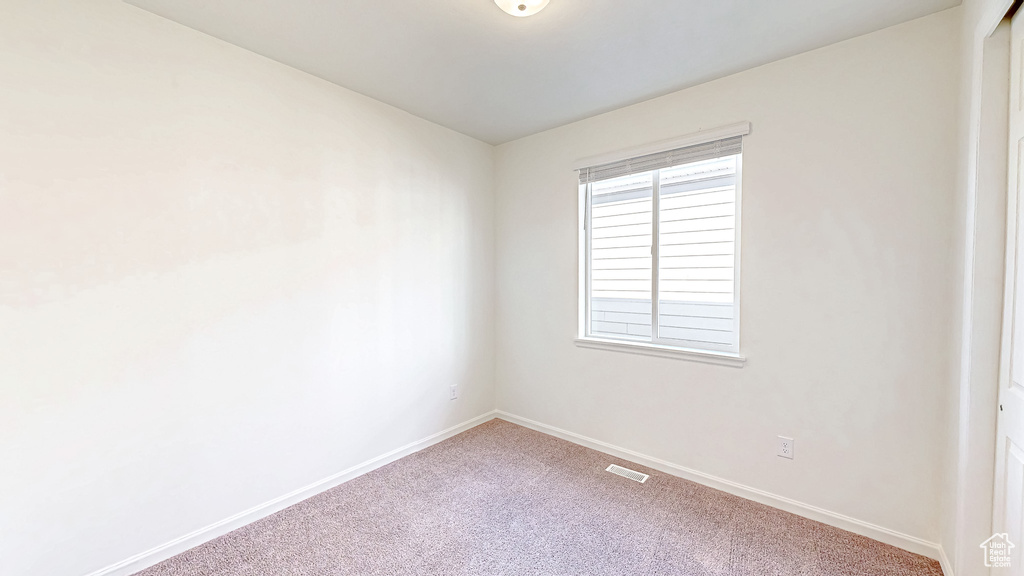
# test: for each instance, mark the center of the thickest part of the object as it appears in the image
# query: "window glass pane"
(620, 251)
(697, 237)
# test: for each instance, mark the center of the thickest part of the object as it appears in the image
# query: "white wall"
(221, 279)
(848, 203)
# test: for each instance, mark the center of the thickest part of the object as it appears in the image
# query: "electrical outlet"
(453, 392)
(785, 447)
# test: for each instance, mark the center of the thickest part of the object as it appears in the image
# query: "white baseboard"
(156, 555)
(947, 566)
(873, 531)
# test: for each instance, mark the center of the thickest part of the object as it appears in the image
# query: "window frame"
(657, 346)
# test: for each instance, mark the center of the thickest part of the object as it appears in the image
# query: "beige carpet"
(504, 500)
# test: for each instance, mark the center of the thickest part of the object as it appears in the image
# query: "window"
(660, 239)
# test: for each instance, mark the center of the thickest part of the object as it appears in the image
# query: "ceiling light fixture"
(521, 8)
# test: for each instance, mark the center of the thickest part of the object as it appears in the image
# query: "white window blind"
(661, 232)
(679, 156)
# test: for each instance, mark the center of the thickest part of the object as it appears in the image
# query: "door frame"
(965, 551)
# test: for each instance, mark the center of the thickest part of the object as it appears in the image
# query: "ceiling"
(467, 65)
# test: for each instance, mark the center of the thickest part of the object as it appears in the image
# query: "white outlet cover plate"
(785, 447)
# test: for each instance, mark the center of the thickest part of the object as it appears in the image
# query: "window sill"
(706, 356)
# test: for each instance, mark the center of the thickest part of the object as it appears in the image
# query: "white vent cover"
(627, 473)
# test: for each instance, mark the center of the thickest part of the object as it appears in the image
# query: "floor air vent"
(627, 473)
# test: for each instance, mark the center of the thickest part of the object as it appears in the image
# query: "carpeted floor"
(501, 499)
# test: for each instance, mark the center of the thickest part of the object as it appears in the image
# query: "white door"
(1008, 515)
